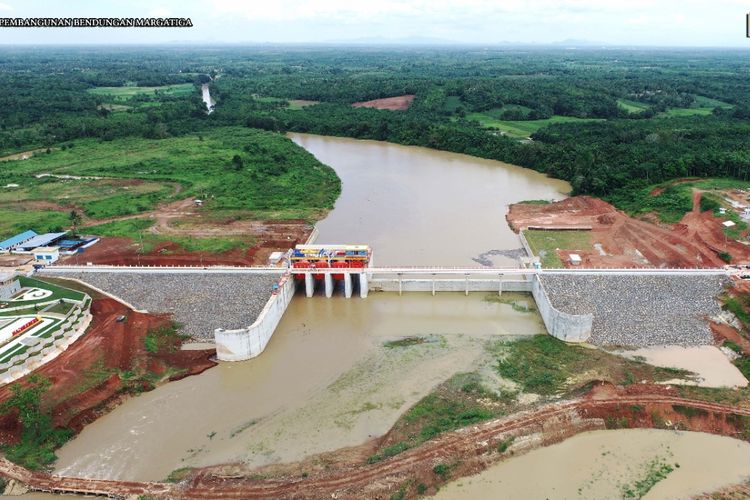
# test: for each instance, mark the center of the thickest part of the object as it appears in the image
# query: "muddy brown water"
(326, 380)
(419, 206)
(606, 464)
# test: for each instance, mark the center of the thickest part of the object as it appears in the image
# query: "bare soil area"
(398, 103)
(695, 241)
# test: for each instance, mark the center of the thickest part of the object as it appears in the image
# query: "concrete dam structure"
(312, 264)
(330, 269)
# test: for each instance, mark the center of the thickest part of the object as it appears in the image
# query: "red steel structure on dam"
(348, 258)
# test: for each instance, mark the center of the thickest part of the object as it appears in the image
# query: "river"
(206, 95)
(604, 464)
(420, 206)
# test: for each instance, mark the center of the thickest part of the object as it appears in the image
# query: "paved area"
(199, 302)
(640, 311)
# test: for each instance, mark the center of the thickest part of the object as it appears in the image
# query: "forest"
(606, 120)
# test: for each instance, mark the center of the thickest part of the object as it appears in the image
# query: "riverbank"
(113, 360)
(421, 470)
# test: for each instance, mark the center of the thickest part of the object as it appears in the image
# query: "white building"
(9, 285)
(46, 255)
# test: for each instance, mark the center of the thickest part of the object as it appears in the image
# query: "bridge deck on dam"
(199, 302)
(640, 310)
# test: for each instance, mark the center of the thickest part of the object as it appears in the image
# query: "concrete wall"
(448, 285)
(246, 343)
(564, 326)
(9, 290)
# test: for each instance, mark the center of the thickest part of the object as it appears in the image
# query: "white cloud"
(5, 7)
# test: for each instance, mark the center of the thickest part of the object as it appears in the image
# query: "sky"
(716, 23)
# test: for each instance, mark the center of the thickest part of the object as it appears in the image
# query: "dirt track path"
(474, 444)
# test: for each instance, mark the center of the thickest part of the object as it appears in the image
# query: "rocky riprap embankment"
(199, 302)
(640, 310)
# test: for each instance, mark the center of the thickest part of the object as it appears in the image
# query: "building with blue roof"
(17, 240)
(41, 240)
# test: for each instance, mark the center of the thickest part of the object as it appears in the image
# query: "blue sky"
(616, 22)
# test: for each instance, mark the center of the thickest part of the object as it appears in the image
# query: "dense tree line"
(45, 99)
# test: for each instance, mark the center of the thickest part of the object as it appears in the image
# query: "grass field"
(14, 220)
(58, 292)
(233, 168)
(678, 112)
(294, 104)
(544, 244)
(632, 106)
(707, 102)
(125, 93)
(702, 106)
(522, 128)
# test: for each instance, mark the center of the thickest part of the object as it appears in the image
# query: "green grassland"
(14, 220)
(125, 93)
(680, 112)
(521, 128)
(701, 106)
(632, 106)
(232, 168)
(545, 243)
(707, 102)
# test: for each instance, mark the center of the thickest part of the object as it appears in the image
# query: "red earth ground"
(398, 103)
(86, 377)
(695, 241)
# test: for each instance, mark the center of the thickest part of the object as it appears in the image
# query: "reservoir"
(420, 206)
(327, 378)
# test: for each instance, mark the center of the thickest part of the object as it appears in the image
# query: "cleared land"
(545, 244)
(199, 303)
(398, 103)
(294, 104)
(621, 241)
(521, 128)
(126, 92)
